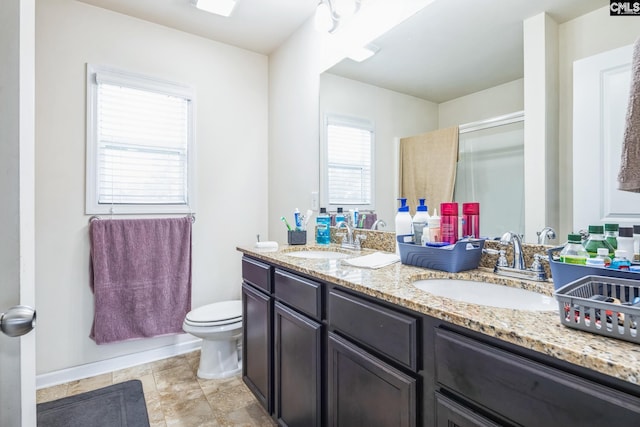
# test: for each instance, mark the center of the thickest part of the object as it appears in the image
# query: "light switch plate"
(314, 201)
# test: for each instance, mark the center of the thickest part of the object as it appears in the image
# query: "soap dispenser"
(403, 222)
(420, 221)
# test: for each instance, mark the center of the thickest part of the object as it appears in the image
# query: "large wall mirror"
(454, 63)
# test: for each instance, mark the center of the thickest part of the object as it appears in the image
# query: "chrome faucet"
(349, 241)
(518, 269)
(512, 238)
(544, 234)
(379, 223)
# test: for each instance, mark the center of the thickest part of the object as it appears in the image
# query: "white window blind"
(349, 161)
(139, 139)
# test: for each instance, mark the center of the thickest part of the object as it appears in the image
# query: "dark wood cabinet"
(298, 368)
(317, 354)
(517, 390)
(257, 347)
(365, 391)
(257, 344)
(449, 413)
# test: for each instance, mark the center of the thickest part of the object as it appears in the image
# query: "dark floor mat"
(119, 405)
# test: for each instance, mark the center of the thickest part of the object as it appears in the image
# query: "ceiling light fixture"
(219, 7)
(330, 13)
(363, 53)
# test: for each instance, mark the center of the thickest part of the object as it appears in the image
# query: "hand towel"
(374, 260)
(629, 175)
(428, 165)
(141, 277)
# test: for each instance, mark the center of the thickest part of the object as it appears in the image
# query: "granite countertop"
(539, 331)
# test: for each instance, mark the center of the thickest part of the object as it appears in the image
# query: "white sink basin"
(488, 294)
(318, 254)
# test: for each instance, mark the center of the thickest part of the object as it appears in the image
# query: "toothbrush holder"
(297, 237)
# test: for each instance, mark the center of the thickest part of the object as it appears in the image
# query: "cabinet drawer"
(450, 413)
(299, 293)
(389, 332)
(524, 391)
(257, 273)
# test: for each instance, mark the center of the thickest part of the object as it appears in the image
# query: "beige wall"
(395, 115)
(231, 139)
(582, 37)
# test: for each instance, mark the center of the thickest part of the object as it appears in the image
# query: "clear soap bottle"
(573, 252)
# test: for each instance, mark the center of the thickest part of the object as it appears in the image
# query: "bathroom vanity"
(326, 344)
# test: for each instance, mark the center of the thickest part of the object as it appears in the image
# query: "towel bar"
(96, 217)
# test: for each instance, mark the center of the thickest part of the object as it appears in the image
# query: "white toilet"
(220, 327)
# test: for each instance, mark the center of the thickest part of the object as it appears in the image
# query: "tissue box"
(297, 237)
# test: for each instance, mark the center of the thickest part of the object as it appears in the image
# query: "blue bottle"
(323, 222)
(340, 216)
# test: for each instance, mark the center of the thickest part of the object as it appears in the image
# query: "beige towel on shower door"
(428, 167)
(629, 176)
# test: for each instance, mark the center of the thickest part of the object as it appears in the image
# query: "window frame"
(350, 121)
(150, 84)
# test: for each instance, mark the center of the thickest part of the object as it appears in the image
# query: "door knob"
(18, 320)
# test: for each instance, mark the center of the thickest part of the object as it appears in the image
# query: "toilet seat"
(216, 314)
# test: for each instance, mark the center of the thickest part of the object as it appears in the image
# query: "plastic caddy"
(465, 255)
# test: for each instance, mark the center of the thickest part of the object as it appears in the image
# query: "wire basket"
(464, 255)
(608, 306)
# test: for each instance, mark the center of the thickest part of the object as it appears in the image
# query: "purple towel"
(141, 277)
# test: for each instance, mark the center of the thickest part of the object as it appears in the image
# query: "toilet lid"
(225, 311)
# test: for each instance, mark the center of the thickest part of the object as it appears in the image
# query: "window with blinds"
(349, 154)
(139, 144)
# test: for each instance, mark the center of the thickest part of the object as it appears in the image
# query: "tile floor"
(176, 397)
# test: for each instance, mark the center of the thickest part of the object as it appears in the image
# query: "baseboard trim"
(122, 362)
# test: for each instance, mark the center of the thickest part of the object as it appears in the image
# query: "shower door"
(491, 172)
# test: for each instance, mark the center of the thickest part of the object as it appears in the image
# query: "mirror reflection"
(455, 63)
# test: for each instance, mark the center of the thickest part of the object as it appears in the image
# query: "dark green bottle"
(611, 235)
(596, 240)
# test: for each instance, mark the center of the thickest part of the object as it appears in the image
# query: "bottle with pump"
(620, 261)
(404, 223)
(449, 222)
(323, 231)
(573, 252)
(339, 216)
(596, 240)
(420, 221)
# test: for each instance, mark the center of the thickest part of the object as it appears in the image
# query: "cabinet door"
(452, 414)
(298, 368)
(364, 391)
(256, 344)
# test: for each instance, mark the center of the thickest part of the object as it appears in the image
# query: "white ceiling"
(449, 49)
(457, 47)
(257, 25)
